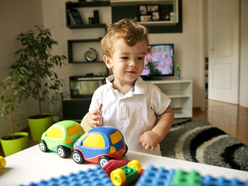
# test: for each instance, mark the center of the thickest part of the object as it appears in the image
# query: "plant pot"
(11, 146)
(39, 125)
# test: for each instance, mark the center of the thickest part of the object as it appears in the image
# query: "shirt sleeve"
(160, 101)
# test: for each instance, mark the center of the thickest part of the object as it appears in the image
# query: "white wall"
(243, 97)
(16, 17)
(187, 43)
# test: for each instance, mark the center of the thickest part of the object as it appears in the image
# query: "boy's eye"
(124, 57)
(140, 58)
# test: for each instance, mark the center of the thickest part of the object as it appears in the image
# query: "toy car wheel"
(43, 146)
(125, 150)
(135, 164)
(63, 152)
(103, 160)
(118, 176)
(77, 157)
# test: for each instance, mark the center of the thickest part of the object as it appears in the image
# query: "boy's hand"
(95, 118)
(149, 140)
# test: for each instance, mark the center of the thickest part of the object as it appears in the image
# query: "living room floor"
(230, 118)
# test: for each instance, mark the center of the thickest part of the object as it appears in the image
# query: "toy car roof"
(66, 123)
(104, 129)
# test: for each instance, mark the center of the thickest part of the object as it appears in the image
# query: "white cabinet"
(180, 93)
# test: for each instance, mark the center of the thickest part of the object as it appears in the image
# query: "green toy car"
(60, 137)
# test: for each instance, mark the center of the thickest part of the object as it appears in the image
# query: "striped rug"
(199, 141)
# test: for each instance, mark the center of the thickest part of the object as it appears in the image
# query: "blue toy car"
(99, 145)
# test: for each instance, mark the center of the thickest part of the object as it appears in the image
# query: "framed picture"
(145, 18)
(143, 9)
(152, 8)
(155, 16)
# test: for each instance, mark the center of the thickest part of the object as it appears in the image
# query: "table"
(32, 165)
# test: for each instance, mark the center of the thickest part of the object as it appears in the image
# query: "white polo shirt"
(133, 113)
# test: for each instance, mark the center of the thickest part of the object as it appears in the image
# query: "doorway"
(222, 50)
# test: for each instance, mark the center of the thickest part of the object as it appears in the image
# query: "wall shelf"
(130, 9)
(75, 5)
(87, 26)
(86, 4)
(76, 51)
(70, 49)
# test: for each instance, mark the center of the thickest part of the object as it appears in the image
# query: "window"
(55, 132)
(94, 140)
(74, 130)
(115, 137)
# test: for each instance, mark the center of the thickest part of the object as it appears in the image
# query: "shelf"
(180, 93)
(86, 26)
(170, 81)
(85, 62)
(139, 2)
(82, 78)
(84, 40)
(70, 50)
(75, 5)
(183, 115)
(87, 4)
(130, 9)
(158, 23)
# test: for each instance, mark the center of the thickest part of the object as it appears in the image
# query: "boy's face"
(127, 62)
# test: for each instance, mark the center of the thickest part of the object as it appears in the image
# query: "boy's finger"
(100, 107)
(97, 124)
(94, 112)
(95, 117)
(140, 138)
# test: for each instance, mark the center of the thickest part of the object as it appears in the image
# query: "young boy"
(137, 108)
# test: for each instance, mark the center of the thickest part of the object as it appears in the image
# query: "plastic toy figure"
(60, 137)
(2, 162)
(126, 174)
(99, 145)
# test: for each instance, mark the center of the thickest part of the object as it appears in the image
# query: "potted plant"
(11, 95)
(40, 79)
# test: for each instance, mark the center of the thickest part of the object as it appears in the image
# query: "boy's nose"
(132, 63)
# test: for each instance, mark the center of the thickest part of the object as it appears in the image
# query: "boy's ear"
(108, 61)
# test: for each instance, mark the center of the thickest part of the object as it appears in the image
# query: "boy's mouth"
(131, 72)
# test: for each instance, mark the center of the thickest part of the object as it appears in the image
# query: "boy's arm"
(150, 139)
(164, 123)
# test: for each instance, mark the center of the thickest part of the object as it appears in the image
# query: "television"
(159, 61)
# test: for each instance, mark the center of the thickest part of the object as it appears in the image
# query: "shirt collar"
(140, 86)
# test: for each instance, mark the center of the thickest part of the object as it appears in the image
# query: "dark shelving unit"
(70, 49)
(75, 5)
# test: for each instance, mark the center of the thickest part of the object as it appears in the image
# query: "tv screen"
(159, 61)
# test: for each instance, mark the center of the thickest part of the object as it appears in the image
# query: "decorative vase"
(39, 125)
(11, 146)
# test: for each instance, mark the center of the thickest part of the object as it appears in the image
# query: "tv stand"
(180, 93)
(151, 78)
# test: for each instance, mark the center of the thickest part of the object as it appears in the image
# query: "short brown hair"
(127, 29)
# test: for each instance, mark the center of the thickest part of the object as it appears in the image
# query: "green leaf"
(4, 114)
